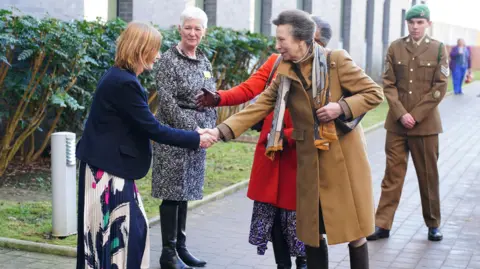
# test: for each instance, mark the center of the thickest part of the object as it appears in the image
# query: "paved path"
(218, 231)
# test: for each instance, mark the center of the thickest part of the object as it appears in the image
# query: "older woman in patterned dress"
(178, 174)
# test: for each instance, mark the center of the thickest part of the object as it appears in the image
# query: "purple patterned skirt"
(263, 217)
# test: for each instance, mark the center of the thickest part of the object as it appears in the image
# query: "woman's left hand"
(329, 112)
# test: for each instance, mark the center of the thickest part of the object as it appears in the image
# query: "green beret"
(420, 11)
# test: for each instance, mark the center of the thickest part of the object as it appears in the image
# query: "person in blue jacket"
(115, 150)
(460, 64)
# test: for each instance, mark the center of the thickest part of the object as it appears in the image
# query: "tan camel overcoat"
(340, 178)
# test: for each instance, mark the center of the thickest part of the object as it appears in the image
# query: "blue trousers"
(458, 76)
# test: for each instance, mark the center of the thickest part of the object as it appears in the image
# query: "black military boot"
(317, 258)
(168, 225)
(359, 256)
(182, 250)
(434, 234)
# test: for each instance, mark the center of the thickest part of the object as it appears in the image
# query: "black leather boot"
(379, 234)
(281, 250)
(182, 250)
(359, 257)
(317, 258)
(301, 262)
(168, 224)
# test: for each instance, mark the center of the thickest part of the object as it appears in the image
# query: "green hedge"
(49, 70)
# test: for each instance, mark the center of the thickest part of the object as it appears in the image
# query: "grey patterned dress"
(177, 173)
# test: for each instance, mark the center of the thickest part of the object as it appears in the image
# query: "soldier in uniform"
(415, 81)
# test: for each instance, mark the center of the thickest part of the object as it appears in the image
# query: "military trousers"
(424, 152)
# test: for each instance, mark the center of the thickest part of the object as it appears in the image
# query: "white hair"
(194, 13)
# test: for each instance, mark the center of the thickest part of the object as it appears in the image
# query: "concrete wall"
(396, 7)
(357, 32)
(450, 33)
(236, 14)
(64, 10)
(279, 6)
(329, 11)
(164, 13)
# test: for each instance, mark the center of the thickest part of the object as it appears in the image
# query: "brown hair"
(138, 44)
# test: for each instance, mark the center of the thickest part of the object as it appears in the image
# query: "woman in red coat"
(272, 183)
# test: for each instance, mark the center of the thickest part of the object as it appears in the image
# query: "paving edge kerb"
(72, 252)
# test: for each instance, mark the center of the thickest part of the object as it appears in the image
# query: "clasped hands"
(408, 121)
(327, 113)
(208, 137)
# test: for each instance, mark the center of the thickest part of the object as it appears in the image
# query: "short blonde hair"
(138, 44)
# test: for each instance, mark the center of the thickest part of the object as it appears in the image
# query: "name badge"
(207, 74)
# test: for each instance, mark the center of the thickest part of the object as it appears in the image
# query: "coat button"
(411, 81)
(399, 62)
(410, 92)
(411, 69)
(413, 59)
(428, 64)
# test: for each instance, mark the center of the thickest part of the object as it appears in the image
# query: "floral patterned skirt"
(112, 224)
(263, 218)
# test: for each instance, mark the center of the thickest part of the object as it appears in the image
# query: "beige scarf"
(324, 133)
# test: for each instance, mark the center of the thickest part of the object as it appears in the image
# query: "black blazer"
(120, 126)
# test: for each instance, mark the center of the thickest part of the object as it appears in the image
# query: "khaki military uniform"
(415, 81)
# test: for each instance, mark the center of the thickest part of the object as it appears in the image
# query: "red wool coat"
(271, 182)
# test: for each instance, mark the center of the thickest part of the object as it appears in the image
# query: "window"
(305, 5)
(266, 16)
(300, 4)
(345, 22)
(369, 35)
(386, 29)
(210, 7)
(200, 4)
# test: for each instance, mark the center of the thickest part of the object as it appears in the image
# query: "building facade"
(364, 28)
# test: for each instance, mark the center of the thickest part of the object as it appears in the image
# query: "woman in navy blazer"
(114, 151)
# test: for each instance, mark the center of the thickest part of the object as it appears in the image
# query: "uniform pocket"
(426, 70)
(401, 69)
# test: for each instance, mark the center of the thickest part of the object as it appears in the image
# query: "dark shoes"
(175, 255)
(168, 224)
(317, 258)
(434, 234)
(182, 250)
(301, 262)
(379, 234)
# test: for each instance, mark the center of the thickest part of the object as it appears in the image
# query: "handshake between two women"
(208, 137)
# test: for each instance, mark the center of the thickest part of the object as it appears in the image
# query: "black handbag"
(347, 126)
(344, 125)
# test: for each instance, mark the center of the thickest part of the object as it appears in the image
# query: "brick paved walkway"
(218, 231)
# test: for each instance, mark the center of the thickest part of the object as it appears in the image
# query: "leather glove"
(206, 98)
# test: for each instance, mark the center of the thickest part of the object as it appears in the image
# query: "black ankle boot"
(168, 224)
(301, 262)
(182, 250)
(317, 258)
(359, 256)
